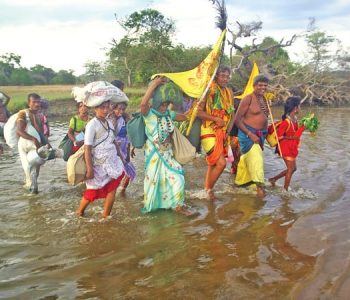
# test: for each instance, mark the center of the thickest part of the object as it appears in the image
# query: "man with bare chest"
(251, 120)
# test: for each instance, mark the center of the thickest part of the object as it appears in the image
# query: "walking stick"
(274, 128)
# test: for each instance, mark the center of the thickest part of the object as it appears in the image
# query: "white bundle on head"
(97, 92)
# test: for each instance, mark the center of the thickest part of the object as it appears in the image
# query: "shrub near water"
(19, 94)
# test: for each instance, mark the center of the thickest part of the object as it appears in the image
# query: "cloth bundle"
(167, 92)
(97, 92)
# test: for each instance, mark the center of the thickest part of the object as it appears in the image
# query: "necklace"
(263, 105)
(164, 127)
(106, 128)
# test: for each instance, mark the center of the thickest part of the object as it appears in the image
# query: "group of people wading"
(108, 153)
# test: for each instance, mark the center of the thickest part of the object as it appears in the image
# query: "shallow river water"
(291, 245)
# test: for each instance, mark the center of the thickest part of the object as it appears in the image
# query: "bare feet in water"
(260, 192)
(272, 181)
(79, 214)
(184, 211)
(122, 192)
(210, 194)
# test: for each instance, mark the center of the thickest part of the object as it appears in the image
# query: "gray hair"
(260, 78)
(223, 68)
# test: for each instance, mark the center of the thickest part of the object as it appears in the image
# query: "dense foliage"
(12, 73)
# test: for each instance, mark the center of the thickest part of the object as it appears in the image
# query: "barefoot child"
(104, 167)
(288, 133)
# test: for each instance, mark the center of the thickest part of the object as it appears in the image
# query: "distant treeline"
(12, 73)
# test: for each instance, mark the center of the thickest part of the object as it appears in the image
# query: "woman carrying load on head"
(289, 133)
(104, 168)
(77, 126)
(164, 185)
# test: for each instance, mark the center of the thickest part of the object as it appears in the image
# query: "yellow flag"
(194, 82)
(249, 87)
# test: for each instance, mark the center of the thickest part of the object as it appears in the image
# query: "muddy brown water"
(292, 245)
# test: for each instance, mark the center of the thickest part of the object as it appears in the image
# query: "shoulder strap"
(288, 124)
(108, 130)
(75, 123)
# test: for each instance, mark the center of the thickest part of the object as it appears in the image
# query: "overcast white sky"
(64, 34)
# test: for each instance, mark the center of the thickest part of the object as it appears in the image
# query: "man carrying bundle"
(31, 137)
(217, 115)
(251, 120)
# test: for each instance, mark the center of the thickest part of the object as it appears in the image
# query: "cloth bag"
(67, 145)
(271, 137)
(136, 130)
(10, 130)
(183, 150)
(76, 167)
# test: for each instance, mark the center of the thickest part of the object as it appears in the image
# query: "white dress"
(106, 163)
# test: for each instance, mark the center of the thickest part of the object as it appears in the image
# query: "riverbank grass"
(19, 94)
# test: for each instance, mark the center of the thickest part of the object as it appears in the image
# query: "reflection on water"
(291, 245)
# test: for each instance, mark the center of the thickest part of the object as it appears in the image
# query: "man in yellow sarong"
(251, 120)
(217, 116)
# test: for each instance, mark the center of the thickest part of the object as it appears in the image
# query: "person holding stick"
(216, 114)
(251, 120)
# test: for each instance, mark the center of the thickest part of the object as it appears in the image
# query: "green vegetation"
(310, 122)
(19, 94)
(12, 73)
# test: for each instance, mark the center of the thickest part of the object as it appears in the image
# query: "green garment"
(79, 125)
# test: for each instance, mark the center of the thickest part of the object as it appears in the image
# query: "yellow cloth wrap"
(208, 143)
(224, 109)
(251, 167)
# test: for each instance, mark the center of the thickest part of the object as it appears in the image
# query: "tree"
(8, 62)
(145, 49)
(93, 71)
(319, 44)
(150, 27)
(42, 74)
(21, 76)
(64, 77)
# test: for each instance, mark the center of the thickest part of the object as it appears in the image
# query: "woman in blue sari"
(164, 185)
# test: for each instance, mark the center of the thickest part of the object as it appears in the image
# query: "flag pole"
(195, 109)
(274, 128)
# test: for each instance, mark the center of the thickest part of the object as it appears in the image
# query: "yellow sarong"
(251, 167)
